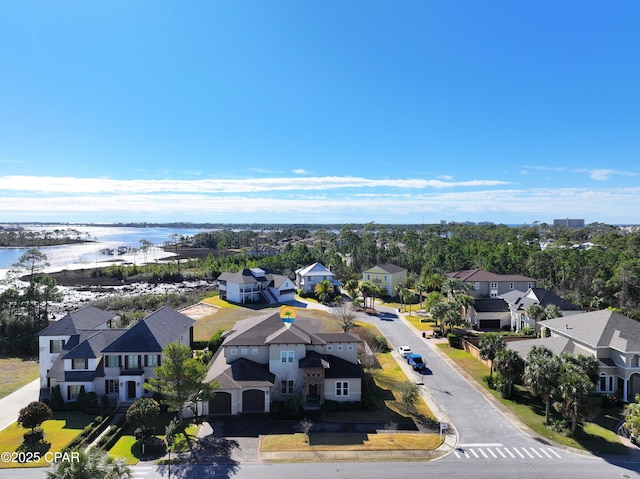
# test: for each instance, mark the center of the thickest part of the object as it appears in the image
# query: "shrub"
(56, 397)
(527, 331)
(454, 340)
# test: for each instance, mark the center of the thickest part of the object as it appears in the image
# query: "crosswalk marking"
(503, 452)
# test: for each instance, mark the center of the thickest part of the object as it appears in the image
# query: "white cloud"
(72, 185)
(300, 171)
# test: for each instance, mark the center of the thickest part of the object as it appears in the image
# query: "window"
(132, 361)
(56, 345)
(477, 285)
(329, 347)
(511, 285)
(244, 351)
(529, 285)
(635, 361)
(111, 386)
(350, 347)
(286, 356)
(603, 382)
(233, 351)
(73, 391)
(113, 361)
(494, 285)
(286, 387)
(79, 363)
(153, 360)
(342, 388)
(254, 351)
(339, 347)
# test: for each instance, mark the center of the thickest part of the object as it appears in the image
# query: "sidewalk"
(10, 405)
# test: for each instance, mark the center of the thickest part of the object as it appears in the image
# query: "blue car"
(416, 361)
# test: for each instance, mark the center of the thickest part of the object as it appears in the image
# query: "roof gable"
(480, 275)
(599, 329)
(85, 318)
(153, 333)
(316, 269)
(387, 268)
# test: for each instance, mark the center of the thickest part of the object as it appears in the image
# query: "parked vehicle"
(415, 361)
(404, 351)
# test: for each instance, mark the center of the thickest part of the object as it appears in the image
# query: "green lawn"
(597, 436)
(15, 373)
(126, 447)
(58, 432)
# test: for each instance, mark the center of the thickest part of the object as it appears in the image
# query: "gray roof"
(153, 333)
(480, 275)
(239, 373)
(244, 276)
(93, 346)
(269, 329)
(557, 345)
(88, 317)
(599, 329)
(520, 301)
(334, 367)
(490, 305)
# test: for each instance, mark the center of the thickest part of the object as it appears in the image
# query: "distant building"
(569, 223)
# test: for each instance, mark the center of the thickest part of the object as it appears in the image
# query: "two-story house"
(610, 337)
(490, 285)
(82, 350)
(262, 359)
(519, 303)
(386, 276)
(309, 276)
(252, 285)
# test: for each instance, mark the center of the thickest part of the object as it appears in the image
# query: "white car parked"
(404, 351)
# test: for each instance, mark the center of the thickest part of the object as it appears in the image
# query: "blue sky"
(312, 112)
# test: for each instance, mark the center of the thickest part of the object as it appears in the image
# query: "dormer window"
(79, 363)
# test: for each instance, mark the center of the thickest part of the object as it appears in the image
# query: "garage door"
(489, 324)
(220, 404)
(253, 400)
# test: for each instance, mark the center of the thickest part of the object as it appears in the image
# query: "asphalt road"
(489, 444)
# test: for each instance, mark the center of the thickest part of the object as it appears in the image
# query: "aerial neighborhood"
(312, 340)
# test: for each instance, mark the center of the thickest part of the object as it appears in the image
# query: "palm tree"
(438, 311)
(421, 287)
(401, 290)
(490, 345)
(433, 282)
(352, 288)
(541, 375)
(573, 392)
(510, 366)
(324, 290)
(94, 464)
(552, 311)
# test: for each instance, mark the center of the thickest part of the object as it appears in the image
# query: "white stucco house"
(81, 349)
(309, 276)
(256, 285)
(262, 360)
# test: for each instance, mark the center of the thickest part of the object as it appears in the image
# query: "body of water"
(89, 254)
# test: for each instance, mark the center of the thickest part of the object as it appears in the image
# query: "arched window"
(635, 361)
(602, 386)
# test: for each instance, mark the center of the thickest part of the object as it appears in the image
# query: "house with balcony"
(253, 285)
(386, 277)
(613, 339)
(82, 350)
(309, 276)
(490, 285)
(262, 360)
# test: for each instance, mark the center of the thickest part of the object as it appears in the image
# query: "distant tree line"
(23, 238)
